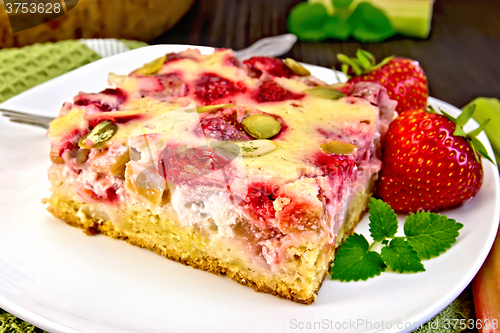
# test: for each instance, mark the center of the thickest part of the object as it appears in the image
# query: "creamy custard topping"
(169, 147)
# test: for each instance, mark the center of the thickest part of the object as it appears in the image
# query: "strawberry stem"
(476, 145)
(349, 62)
(459, 131)
(479, 148)
(466, 115)
(363, 63)
(430, 109)
(478, 130)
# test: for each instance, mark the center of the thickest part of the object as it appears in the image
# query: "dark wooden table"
(460, 57)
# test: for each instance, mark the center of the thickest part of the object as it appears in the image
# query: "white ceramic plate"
(55, 277)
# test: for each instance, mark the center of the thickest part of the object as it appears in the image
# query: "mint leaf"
(354, 261)
(307, 21)
(383, 220)
(337, 27)
(370, 24)
(427, 235)
(401, 257)
(430, 234)
(341, 3)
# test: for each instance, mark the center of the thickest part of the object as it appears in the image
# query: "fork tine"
(27, 122)
(44, 120)
(11, 113)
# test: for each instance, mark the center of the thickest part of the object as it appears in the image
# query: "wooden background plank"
(460, 57)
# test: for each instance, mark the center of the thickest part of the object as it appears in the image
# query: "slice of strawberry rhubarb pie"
(253, 169)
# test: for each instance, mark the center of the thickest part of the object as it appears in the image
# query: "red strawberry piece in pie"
(333, 165)
(233, 61)
(163, 86)
(106, 100)
(172, 57)
(120, 117)
(270, 91)
(223, 126)
(265, 65)
(211, 88)
(182, 165)
(258, 204)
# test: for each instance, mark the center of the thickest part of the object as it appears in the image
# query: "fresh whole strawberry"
(429, 162)
(403, 78)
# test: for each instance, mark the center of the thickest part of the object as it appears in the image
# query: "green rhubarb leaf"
(370, 24)
(354, 261)
(430, 234)
(307, 21)
(383, 220)
(400, 256)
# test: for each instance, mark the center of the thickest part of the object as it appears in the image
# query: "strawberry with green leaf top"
(429, 162)
(403, 78)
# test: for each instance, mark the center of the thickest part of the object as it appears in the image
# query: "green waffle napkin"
(23, 68)
(11, 324)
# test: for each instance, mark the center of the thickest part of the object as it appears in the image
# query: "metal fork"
(27, 118)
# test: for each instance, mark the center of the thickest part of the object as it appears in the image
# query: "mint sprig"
(383, 221)
(426, 235)
(364, 21)
(356, 260)
(400, 256)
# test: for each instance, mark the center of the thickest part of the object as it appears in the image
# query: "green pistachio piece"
(337, 147)
(152, 67)
(256, 148)
(296, 67)
(208, 108)
(251, 148)
(99, 135)
(325, 92)
(261, 126)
